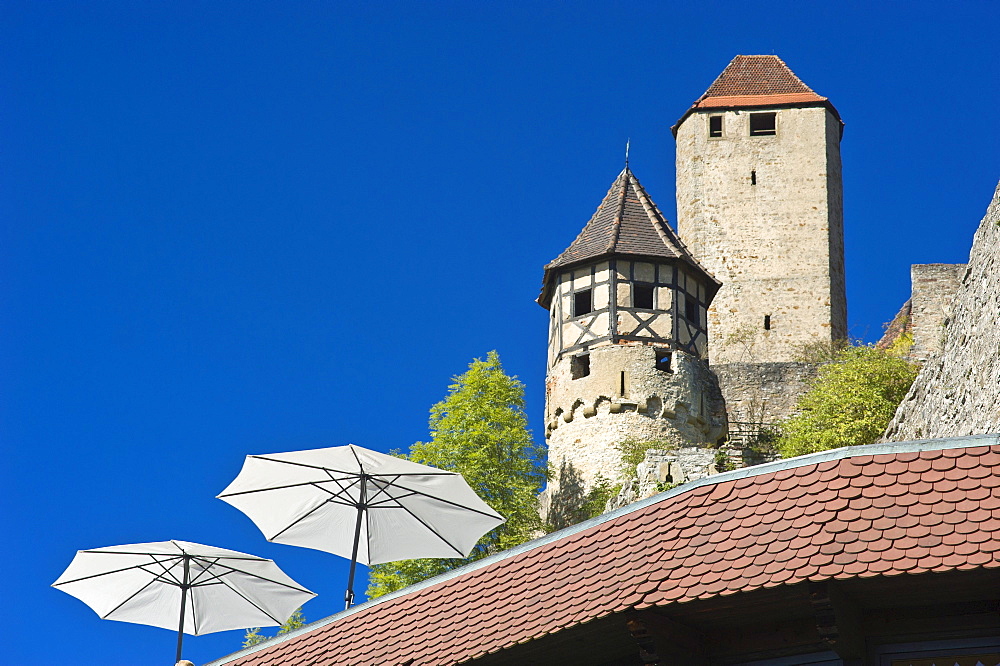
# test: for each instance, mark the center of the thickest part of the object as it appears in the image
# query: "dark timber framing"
(571, 334)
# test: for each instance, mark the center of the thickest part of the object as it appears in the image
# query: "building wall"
(958, 390)
(587, 416)
(763, 393)
(764, 214)
(614, 315)
(933, 289)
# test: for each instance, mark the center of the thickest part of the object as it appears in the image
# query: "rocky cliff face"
(958, 390)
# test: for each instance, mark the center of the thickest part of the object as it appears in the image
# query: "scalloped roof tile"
(831, 537)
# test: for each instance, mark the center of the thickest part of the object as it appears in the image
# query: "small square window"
(642, 295)
(691, 309)
(763, 124)
(715, 127)
(663, 358)
(579, 366)
(583, 302)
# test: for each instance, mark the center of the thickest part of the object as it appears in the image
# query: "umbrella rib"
(207, 563)
(440, 499)
(130, 598)
(263, 490)
(325, 468)
(361, 466)
(382, 490)
(166, 555)
(296, 521)
(259, 577)
(249, 600)
(432, 530)
(166, 570)
(107, 573)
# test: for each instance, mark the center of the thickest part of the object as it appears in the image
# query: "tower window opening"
(642, 295)
(623, 388)
(763, 124)
(663, 359)
(753, 177)
(583, 302)
(690, 309)
(767, 322)
(715, 127)
(579, 366)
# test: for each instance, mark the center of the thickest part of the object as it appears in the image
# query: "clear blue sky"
(246, 227)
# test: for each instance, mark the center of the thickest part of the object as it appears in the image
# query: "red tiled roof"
(883, 510)
(626, 223)
(756, 75)
(757, 81)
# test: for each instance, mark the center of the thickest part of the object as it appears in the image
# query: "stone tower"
(760, 204)
(628, 330)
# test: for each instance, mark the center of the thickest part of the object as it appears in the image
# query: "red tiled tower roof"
(757, 81)
(876, 511)
(626, 223)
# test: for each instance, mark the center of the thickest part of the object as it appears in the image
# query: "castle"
(681, 338)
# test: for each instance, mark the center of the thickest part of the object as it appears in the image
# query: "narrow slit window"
(715, 127)
(642, 295)
(583, 302)
(753, 177)
(623, 389)
(767, 322)
(663, 359)
(580, 366)
(763, 124)
(690, 309)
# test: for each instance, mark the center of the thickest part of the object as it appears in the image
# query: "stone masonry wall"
(764, 215)
(958, 391)
(934, 289)
(763, 392)
(587, 416)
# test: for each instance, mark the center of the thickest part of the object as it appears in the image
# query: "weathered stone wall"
(764, 215)
(958, 390)
(934, 289)
(763, 392)
(586, 417)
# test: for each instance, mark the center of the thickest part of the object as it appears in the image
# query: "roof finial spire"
(627, 141)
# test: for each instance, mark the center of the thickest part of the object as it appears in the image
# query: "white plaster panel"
(600, 296)
(643, 272)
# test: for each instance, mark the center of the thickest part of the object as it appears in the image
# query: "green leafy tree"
(850, 402)
(481, 431)
(253, 636)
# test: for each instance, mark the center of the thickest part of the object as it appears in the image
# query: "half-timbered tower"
(760, 204)
(628, 330)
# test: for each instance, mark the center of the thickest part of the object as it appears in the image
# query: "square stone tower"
(760, 205)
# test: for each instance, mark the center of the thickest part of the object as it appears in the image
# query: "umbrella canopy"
(179, 585)
(361, 504)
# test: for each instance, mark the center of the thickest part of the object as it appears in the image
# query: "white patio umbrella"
(361, 504)
(193, 588)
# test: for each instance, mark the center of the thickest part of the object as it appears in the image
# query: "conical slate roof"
(626, 223)
(757, 81)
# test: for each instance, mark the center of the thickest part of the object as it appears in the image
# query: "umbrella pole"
(349, 597)
(180, 628)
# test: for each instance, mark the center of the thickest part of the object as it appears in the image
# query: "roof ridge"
(663, 228)
(616, 225)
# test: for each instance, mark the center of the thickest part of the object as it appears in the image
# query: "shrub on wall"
(850, 402)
